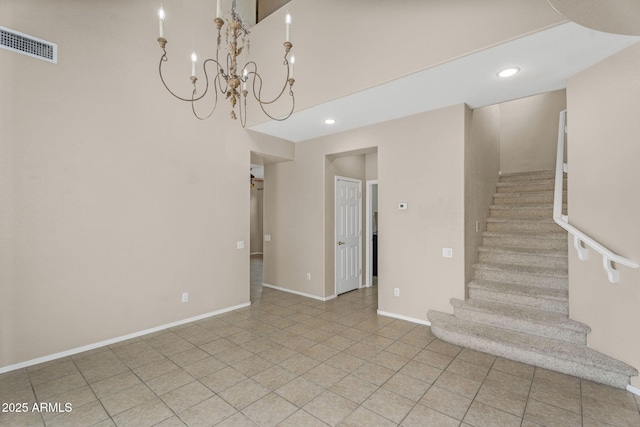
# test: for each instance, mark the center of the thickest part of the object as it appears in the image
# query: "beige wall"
(112, 193)
(482, 166)
(414, 154)
(529, 133)
(603, 153)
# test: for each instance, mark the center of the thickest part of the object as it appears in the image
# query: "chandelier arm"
(257, 95)
(262, 104)
(215, 103)
(164, 58)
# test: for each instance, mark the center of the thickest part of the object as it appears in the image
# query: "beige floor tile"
(612, 414)
(174, 421)
(299, 363)
(39, 376)
(222, 379)
(556, 397)
(47, 390)
(244, 393)
(551, 416)
(434, 359)
(373, 373)
(388, 404)
(274, 377)
(136, 359)
(566, 383)
(270, 410)
(446, 402)
(345, 362)
(190, 356)
(186, 396)
(512, 367)
(324, 375)
(234, 355)
(252, 365)
(516, 384)
(364, 417)
(468, 370)
(219, 346)
(155, 369)
(422, 416)
(609, 395)
(237, 420)
(422, 372)
(207, 413)
(403, 349)
(115, 384)
(320, 352)
(278, 353)
(406, 386)
(476, 357)
(481, 415)
(502, 398)
(300, 391)
(204, 367)
(390, 360)
(11, 382)
(458, 384)
(445, 348)
(354, 389)
(338, 342)
(20, 419)
(330, 408)
(169, 381)
(124, 400)
(85, 415)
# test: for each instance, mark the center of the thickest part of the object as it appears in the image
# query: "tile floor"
(292, 361)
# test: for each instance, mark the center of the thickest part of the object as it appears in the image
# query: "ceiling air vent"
(28, 45)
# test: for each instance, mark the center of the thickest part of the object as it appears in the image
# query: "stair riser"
(521, 213)
(534, 358)
(525, 226)
(555, 306)
(524, 199)
(549, 282)
(523, 259)
(517, 325)
(524, 242)
(525, 187)
(537, 176)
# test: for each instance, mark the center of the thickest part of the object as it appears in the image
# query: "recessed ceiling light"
(329, 121)
(508, 72)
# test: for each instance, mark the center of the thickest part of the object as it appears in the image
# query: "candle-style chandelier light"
(231, 81)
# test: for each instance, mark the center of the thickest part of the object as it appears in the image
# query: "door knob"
(340, 243)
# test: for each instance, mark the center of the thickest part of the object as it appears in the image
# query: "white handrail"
(579, 238)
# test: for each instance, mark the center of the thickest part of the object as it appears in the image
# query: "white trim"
(368, 243)
(116, 340)
(256, 253)
(634, 390)
(303, 294)
(401, 317)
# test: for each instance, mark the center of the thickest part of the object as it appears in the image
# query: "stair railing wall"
(580, 240)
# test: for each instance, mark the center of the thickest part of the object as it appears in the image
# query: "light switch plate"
(240, 244)
(447, 252)
(267, 237)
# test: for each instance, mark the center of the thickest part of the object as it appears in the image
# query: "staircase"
(518, 305)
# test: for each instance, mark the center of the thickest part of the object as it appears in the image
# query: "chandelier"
(229, 80)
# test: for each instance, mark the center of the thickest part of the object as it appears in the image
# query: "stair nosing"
(517, 268)
(558, 295)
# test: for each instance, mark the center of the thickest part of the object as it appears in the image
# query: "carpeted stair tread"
(525, 251)
(552, 235)
(523, 313)
(574, 359)
(527, 176)
(510, 288)
(532, 270)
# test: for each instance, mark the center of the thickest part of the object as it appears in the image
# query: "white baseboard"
(256, 253)
(291, 291)
(116, 340)
(401, 317)
(634, 390)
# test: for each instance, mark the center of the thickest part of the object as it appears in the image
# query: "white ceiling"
(546, 60)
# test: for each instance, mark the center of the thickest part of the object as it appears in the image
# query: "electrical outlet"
(185, 296)
(267, 237)
(240, 244)
(447, 253)
(308, 276)
(396, 292)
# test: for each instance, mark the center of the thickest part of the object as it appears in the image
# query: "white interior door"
(348, 236)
